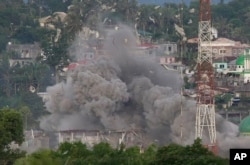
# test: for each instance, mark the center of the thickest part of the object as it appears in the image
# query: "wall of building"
(91, 137)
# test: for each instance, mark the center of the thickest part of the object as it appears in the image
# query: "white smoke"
(123, 91)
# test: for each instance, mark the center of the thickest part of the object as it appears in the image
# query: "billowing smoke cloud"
(227, 132)
(124, 90)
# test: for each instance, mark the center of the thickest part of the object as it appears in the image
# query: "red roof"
(73, 65)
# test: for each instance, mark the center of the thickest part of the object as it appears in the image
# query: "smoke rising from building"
(124, 91)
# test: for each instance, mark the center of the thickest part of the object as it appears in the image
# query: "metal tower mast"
(205, 112)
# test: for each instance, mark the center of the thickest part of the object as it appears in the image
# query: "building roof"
(219, 42)
(244, 127)
(225, 59)
(224, 40)
(146, 46)
(240, 60)
(192, 41)
(72, 66)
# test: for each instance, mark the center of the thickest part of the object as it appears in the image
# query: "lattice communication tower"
(205, 112)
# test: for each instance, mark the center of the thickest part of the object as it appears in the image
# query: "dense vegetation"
(11, 130)
(102, 154)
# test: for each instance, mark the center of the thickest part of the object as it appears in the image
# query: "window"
(222, 66)
(222, 51)
(169, 48)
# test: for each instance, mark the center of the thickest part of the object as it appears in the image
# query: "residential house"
(243, 90)
(221, 47)
(220, 67)
(26, 53)
(169, 48)
(33, 141)
(44, 95)
(167, 60)
(223, 64)
(242, 66)
(146, 49)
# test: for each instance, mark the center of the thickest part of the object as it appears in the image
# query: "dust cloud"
(124, 90)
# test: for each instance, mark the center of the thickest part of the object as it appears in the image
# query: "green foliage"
(195, 154)
(73, 150)
(11, 130)
(222, 99)
(41, 157)
(102, 149)
(54, 6)
(25, 35)
(103, 154)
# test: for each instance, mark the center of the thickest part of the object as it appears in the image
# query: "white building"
(92, 137)
(242, 66)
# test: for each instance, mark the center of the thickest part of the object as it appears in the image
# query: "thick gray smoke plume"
(123, 91)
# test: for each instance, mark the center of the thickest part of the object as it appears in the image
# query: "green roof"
(240, 60)
(245, 125)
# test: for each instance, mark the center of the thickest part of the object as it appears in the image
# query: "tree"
(73, 152)
(37, 75)
(149, 155)
(41, 157)
(75, 19)
(11, 130)
(196, 154)
(5, 75)
(25, 111)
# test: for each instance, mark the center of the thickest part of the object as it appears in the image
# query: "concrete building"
(44, 95)
(169, 48)
(148, 50)
(33, 140)
(113, 137)
(242, 66)
(243, 90)
(25, 53)
(221, 47)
